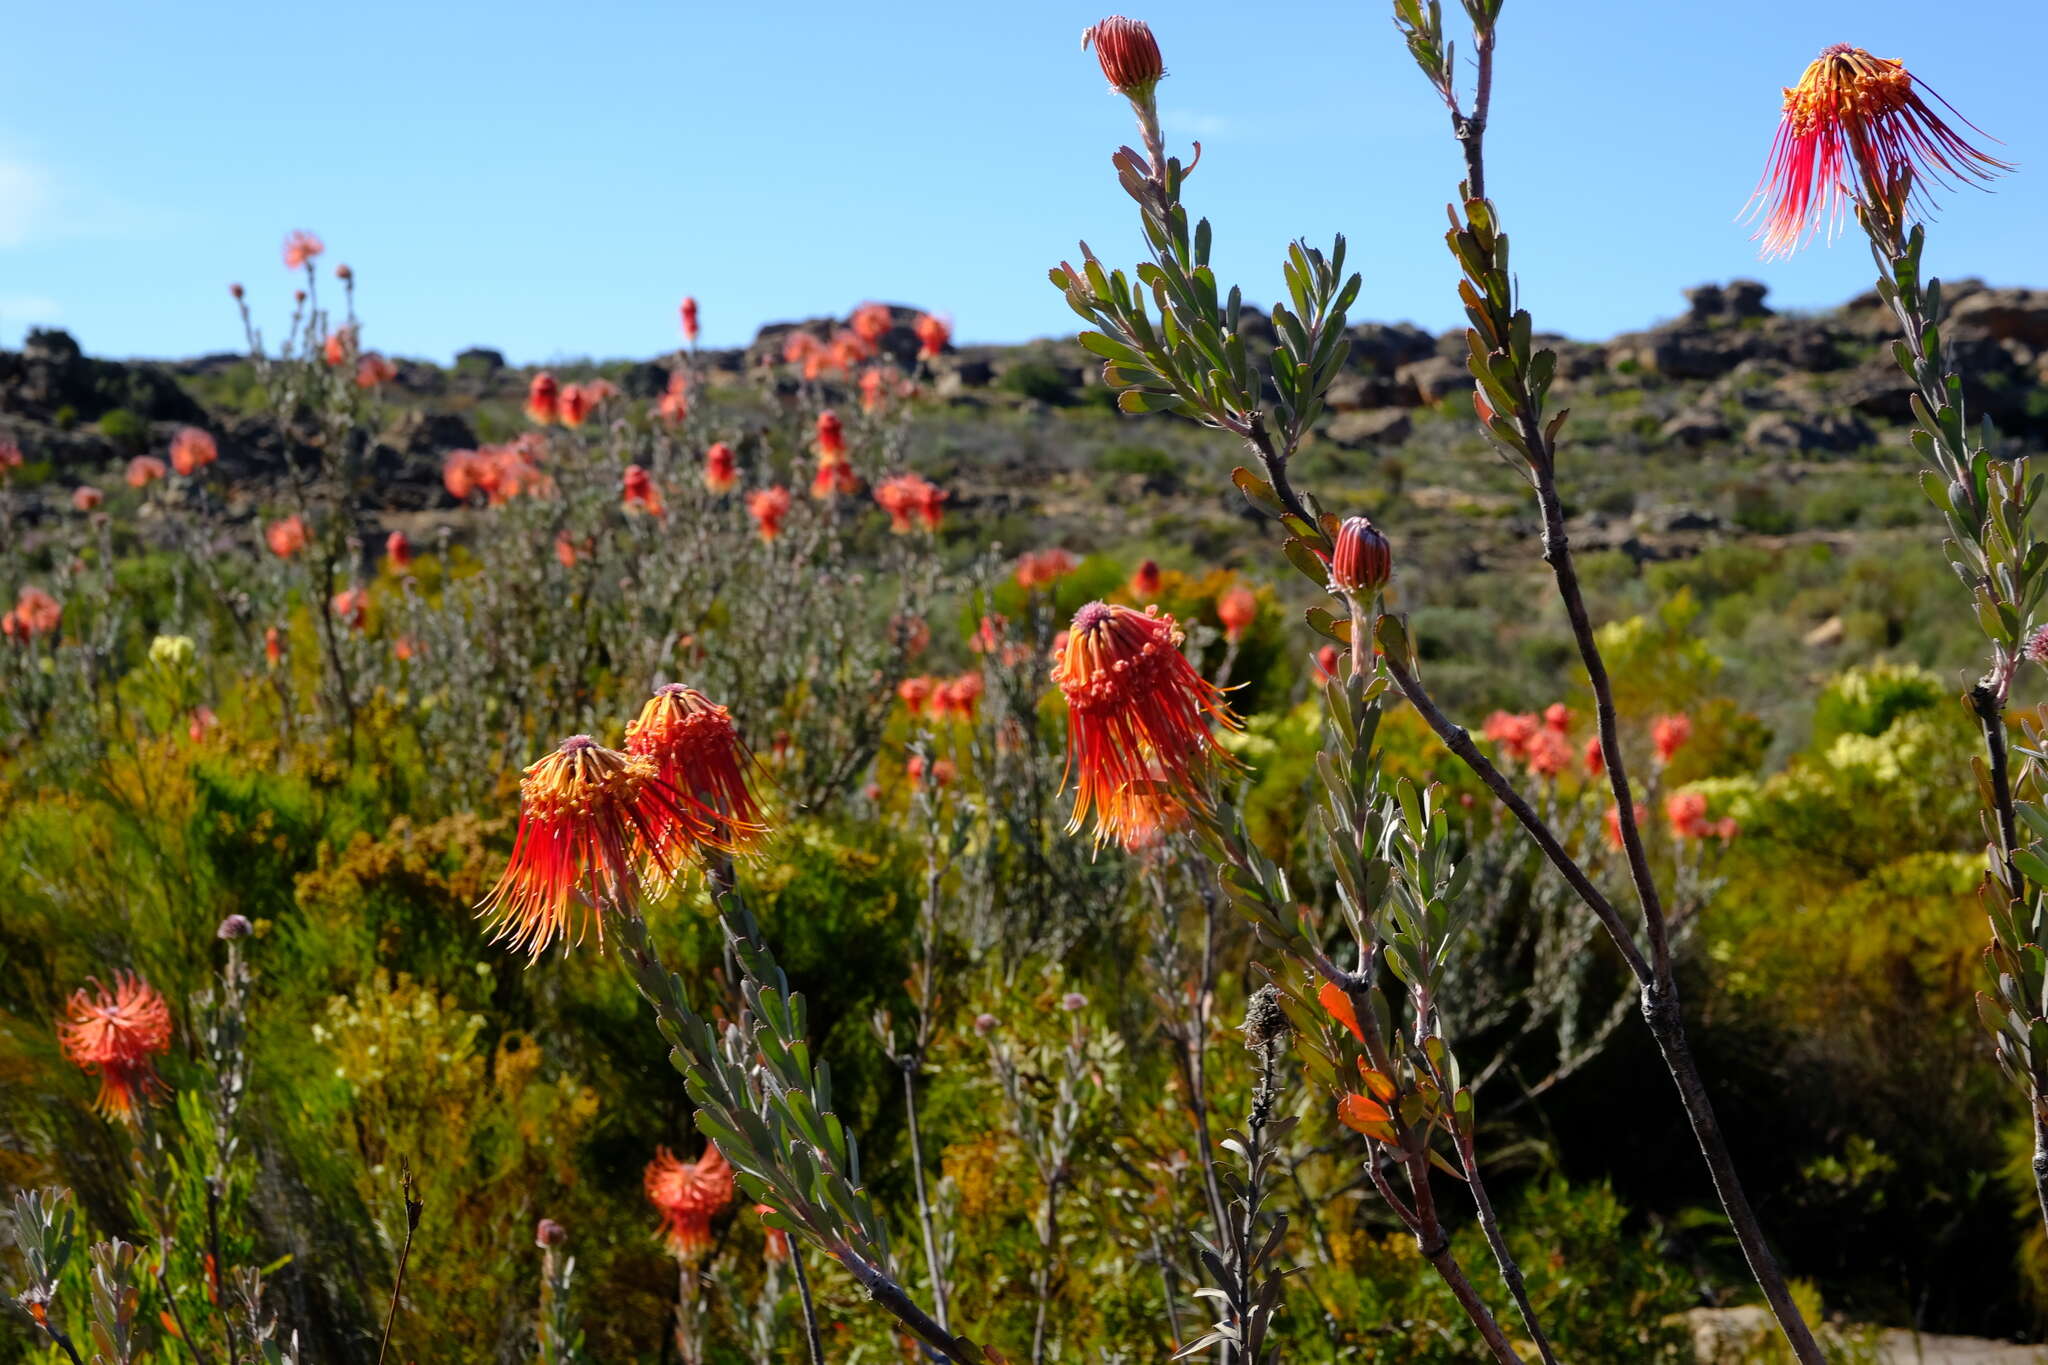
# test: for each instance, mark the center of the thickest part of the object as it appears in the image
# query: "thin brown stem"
(412, 1222)
(1510, 1269)
(804, 1304)
(163, 1285)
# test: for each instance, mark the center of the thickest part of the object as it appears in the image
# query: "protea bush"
(697, 894)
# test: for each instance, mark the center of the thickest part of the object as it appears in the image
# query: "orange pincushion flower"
(1146, 582)
(1668, 735)
(286, 538)
(835, 477)
(1237, 608)
(831, 436)
(543, 398)
(872, 382)
(300, 247)
(688, 1196)
(1548, 752)
(721, 471)
(908, 496)
(86, 498)
(398, 550)
(689, 315)
(374, 371)
(1854, 118)
(958, 697)
(768, 506)
(697, 752)
(871, 322)
(350, 606)
(915, 692)
(934, 334)
(573, 405)
(144, 470)
(588, 816)
(642, 492)
(1138, 716)
(339, 346)
(565, 550)
(1511, 731)
(273, 647)
(1043, 568)
(674, 403)
(35, 612)
(192, 450)
(116, 1036)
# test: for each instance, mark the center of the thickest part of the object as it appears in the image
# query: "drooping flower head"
(117, 1036)
(1855, 120)
(192, 450)
(287, 537)
(697, 752)
(1129, 54)
(144, 470)
(688, 1195)
(721, 470)
(689, 315)
(589, 817)
(301, 247)
(544, 398)
(1138, 716)
(768, 506)
(934, 334)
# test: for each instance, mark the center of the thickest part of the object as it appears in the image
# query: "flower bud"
(549, 1233)
(1364, 560)
(1128, 52)
(1072, 1001)
(234, 927)
(984, 1024)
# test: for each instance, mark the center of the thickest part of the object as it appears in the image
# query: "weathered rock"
(1376, 427)
(1695, 427)
(2006, 314)
(1437, 378)
(1824, 431)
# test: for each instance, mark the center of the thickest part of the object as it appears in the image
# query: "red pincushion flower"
(689, 315)
(642, 492)
(589, 817)
(34, 613)
(398, 550)
(544, 398)
(573, 405)
(1855, 118)
(674, 403)
(1596, 757)
(300, 247)
(350, 606)
(934, 334)
(914, 693)
(831, 435)
(116, 1036)
(872, 382)
(721, 471)
(1548, 752)
(871, 322)
(1146, 582)
(1237, 608)
(1043, 568)
(768, 506)
(911, 501)
(144, 470)
(688, 1196)
(374, 371)
(86, 498)
(192, 450)
(1512, 732)
(1138, 717)
(286, 538)
(1668, 735)
(1128, 52)
(958, 697)
(698, 753)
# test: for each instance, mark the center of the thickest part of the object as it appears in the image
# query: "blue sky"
(551, 179)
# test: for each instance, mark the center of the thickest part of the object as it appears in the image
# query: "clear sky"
(550, 179)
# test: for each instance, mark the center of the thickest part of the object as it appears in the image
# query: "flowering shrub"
(1056, 949)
